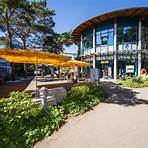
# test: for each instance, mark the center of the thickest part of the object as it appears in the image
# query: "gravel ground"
(120, 122)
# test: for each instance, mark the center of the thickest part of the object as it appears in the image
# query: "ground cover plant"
(23, 123)
(82, 98)
(135, 82)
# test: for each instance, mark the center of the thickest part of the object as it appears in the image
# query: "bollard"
(43, 92)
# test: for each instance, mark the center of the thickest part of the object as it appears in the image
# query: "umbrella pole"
(36, 68)
(36, 77)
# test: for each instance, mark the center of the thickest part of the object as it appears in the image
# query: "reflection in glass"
(88, 42)
(105, 37)
(145, 37)
(127, 36)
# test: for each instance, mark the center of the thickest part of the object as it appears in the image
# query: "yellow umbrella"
(73, 63)
(31, 57)
(30, 60)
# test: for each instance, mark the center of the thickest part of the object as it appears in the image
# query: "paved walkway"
(120, 122)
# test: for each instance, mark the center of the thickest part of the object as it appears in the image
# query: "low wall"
(67, 85)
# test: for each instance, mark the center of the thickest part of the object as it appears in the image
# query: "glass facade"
(145, 35)
(105, 37)
(123, 47)
(127, 34)
(87, 41)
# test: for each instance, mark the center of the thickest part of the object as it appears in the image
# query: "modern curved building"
(115, 42)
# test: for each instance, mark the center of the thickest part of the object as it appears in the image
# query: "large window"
(145, 37)
(104, 37)
(127, 37)
(120, 35)
(127, 34)
(110, 37)
(88, 42)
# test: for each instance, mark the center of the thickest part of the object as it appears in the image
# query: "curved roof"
(138, 11)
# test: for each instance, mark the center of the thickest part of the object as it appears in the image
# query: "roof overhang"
(132, 12)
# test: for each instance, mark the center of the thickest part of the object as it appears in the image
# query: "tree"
(57, 42)
(8, 9)
(35, 21)
(32, 24)
(3, 41)
(65, 38)
(43, 25)
(45, 38)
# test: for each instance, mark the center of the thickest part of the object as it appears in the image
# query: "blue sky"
(70, 13)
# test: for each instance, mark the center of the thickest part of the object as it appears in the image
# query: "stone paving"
(120, 122)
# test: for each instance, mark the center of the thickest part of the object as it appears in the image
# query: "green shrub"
(22, 123)
(135, 82)
(82, 98)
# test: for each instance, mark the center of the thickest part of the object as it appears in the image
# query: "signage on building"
(129, 68)
(104, 62)
(127, 46)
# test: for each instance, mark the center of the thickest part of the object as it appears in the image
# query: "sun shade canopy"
(72, 63)
(31, 56)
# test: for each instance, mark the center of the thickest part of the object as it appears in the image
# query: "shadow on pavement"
(121, 96)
